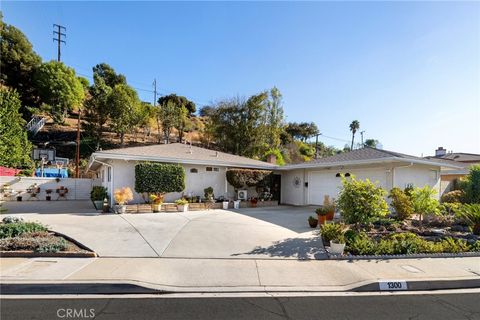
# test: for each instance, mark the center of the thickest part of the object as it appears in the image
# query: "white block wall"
(78, 189)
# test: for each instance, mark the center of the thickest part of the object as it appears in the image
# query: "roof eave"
(104, 155)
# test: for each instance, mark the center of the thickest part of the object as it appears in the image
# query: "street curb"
(74, 288)
(422, 285)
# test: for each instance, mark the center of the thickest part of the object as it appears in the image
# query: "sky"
(409, 72)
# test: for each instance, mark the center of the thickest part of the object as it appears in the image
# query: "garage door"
(321, 183)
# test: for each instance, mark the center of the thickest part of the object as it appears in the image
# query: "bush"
(159, 178)
(472, 185)
(455, 196)
(39, 242)
(181, 202)
(401, 203)
(471, 213)
(11, 219)
(278, 155)
(423, 201)
(333, 231)
(241, 178)
(123, 195)
(360, 201)
(98, 193)
(360, 244)
(15, 229)
(208, 193)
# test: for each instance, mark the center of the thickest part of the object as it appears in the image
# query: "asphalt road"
(358, 307)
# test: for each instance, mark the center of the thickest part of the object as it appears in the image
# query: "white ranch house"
(298, 184)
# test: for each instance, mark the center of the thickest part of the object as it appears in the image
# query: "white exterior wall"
(291, 193)
(419, 176)
(124, 176)
(78, 189)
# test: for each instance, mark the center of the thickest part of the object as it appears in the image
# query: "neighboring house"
(449, 175)
(299, 184)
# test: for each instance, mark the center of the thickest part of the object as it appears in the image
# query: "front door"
(276, 187)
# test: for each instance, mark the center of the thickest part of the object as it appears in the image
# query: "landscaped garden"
(415, 222)
(19, 238)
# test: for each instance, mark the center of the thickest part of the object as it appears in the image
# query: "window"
(216, 169)
(193, 170)
(109, 174)
(209, 169)
(103, 175)
(337, 175)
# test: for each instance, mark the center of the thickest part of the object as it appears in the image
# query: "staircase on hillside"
(36, 124)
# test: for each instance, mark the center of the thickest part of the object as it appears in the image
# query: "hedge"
(159, 178)
(240, 178)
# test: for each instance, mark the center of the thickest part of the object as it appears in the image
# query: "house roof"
(180, 153)
(460, 157)
(368, 155)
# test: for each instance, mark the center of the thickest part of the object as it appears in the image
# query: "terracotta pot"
(330, 215)
(322, 219)
(313, 223)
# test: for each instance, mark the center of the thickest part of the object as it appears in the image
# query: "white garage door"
(321, 183)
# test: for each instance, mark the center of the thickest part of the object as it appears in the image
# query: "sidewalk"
(235, 275)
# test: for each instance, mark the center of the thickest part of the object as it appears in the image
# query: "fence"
(78, 189)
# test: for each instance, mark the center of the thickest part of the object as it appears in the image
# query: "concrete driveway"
(258, 233)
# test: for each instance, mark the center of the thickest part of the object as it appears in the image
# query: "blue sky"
(408, 71)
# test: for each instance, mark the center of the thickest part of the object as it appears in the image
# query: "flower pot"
(48, 198)
(182, 207)
(336, 248)
(330, 215)
(98, 204)
(19, 198)
(322, 219)
(236, 204)
(313, 223)
(156, 207)
(225, 205)
(121, 208)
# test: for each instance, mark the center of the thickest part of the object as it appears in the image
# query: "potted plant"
(48, 196)
(322, 214)
(122, 196)
(97, 195)
(337, 244)
(253, 202)
(182, 205)
(330, 205)
(225, 204)
(209, 196)
(312, 222)
(156, 200)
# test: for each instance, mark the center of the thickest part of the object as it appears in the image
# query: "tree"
(124, 104)
(181, 103)
(108, 74)
(274, 118)
(59, 88)
(18, 64)
(14, 145)
(354, 126)
(372, 143)
(301, 131)
(170, 116)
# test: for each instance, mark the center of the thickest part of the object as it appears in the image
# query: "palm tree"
(354, 126)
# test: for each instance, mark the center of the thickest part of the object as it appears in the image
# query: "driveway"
(258, 233)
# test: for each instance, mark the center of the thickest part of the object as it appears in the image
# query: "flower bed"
(19, 238)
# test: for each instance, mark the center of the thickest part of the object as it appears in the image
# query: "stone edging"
(403, 256)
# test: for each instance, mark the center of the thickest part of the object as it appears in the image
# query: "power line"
(59, 40)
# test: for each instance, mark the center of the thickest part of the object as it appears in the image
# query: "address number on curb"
(393, 285)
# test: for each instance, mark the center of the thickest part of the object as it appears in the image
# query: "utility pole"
(77, 156)
(58, 38)
(316, 145)
(361, 133)
(154, 92)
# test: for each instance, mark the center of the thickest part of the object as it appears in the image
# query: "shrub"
(455, 196)
(401, 203)
(333, 231)
(324, 210)
(123, 195)
(15, 229)
(472, 185)
(11, 219)
(278, 155)
(241, 178)
(359, 201)
(423, 201)
(475, 246)
(361, 244)
(208, 193)
(181, 202)
(451, 245)
(98, 193)
(37, 242)
(403, 243)
(159, 178)
(471, 213)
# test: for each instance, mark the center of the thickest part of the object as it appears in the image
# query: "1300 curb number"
(393, 285)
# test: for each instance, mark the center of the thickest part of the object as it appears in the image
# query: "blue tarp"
(52, 173)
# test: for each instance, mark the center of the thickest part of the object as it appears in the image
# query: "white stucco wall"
(419, 176)
(291, 193)
(124, 176)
